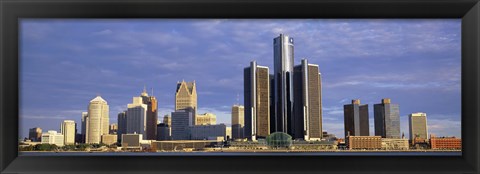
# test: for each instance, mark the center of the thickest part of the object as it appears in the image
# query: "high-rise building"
(186, 97)
(113, 128)
(122, 124)
(387, 119)
(137, 117)
(53, 137)
(35, 134)
(283, 76)
(181, 121)
(256, 101)
(167, 120)
(307, 101)
(98, 120)
(164, 132)
(418, 126)
(356, 119)
(68, 131)
(152, 115)
(206, 119)
(84, 126)
(238, 114)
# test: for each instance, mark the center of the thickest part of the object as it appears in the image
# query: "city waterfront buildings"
(84, 126)
(418, 126)
(68, 131)
(238, 114)
(387, 119)
(307, 102)
(113, 128)
(131, 141)
(395, 144)
(208, 132)
(98, 120)
(109, 139)
(186, 97)
(364, 142)
(167, 119)
(283, 59)
(151, 116)
(445, 142)
(122, 124)
(181, 121)
(137, 117)
(53, 137)
(256, 101)
(356, 119)
(35, 134)
(164, 132)
(206, 119)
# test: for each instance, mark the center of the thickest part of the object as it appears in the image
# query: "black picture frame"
(12, 10)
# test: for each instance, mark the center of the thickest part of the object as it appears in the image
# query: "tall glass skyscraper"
(387, 119)
(283, 88)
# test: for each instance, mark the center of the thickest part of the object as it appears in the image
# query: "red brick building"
(445, 143)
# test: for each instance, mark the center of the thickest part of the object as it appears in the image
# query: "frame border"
(12, 10)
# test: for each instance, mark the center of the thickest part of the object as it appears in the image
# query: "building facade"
(364, 142)
(131, 141)
(109, 139)
(387, 119)
(206, 119)
(307, 102)
(167, 119)
(152, 115)
(356, 119)
(186, 97)
(35, 134)
(122, 124)
(137, 117)
(283, 60)
(97, 120)
(208, 132)
(53, 137)
(84, 126)
(68, 131)
(395, 144)
(113, 128)
(181, 121)
(445, 142)
(164, 132)
(256, 101)
(418, 126)
(238, 114)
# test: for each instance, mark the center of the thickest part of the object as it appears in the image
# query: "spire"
(152, 92)
(144, 92)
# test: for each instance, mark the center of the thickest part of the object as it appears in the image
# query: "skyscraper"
(35, 134)
(122, 124)
(307, 102)
(238, 114)
(181, 121)
(152, 115)
(283, 75)
(387, 119)
(84, 126)
(356, 119)
(418, 125)
(137, 117)
(257, 101)
(68, 131)
(167, 120)
(186, 97)
(98, 120)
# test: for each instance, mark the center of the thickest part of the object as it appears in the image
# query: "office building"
(167, 119)
(53, 137)
(137, 117)
(68, 131)
(113, 128)
(152, 115)
(208, 132)
(122, 124)
(418, 126)
(307, 102)
(84, 127)
(206, 119)
(256, 101)
(395, 144)
(109, 139)
(98, 120)
(364, 142)
(131, 141)
(35, 134)
(181, 121)
(164, 132)
(238, 114)
(186, 97)
(387, 119)
(356, 119)
(283, 59)
(445, 142)
(229, 133)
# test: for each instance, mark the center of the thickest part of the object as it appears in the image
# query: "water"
(241, 154)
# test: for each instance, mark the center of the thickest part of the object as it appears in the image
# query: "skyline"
(101, 40)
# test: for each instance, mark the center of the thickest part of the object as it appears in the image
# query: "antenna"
(238, 98)
(144, 88)
(152, 92)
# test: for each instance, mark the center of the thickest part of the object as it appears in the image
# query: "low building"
(131, 141)
(364, 142)
(183, 145)
(395, 144)
(445, 142)
(53, 137)
(206, 119)
(314, 145)
(109, 139)
(203, 132)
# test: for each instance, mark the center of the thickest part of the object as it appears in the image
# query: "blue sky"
(66, 63)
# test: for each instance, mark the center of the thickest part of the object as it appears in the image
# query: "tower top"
(356, 101)
(386, 101)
